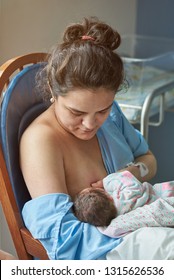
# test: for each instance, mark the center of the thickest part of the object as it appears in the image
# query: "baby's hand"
(98, 184)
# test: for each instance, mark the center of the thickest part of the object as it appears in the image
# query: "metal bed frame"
(145, 108)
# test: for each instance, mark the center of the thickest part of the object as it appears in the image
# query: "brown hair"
(85, 63)
(94, 207)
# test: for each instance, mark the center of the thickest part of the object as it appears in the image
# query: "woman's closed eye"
(80, 113)
(104, 111)
(76, 113)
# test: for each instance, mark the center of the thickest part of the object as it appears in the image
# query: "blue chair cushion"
(21, 105)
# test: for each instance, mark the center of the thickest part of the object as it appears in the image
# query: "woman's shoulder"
(116, 115)
(116, 110)
(41, 127)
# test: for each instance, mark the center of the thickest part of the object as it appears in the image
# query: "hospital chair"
(20, 105)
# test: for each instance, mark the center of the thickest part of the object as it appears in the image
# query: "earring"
(52, 99)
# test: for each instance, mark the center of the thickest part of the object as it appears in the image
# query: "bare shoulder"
(41, 159)
(39, 132)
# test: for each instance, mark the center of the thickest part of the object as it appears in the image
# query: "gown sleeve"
(50, 219)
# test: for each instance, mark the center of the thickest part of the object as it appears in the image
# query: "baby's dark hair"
(94, 207)
(88, 63)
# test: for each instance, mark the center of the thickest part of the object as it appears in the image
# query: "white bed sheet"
(145, 244)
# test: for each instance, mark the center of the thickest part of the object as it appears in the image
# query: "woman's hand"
(98, 184)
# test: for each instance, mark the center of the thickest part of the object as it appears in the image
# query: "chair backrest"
(21, 104)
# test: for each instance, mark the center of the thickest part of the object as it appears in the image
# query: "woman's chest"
(83, 165)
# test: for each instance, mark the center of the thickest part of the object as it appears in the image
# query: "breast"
(83, 165)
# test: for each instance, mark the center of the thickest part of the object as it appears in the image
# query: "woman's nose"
(89, 122)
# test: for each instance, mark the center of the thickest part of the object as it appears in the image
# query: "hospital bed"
(149, 73)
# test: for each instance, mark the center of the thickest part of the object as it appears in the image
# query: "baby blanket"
(152, 206)
(160, 213)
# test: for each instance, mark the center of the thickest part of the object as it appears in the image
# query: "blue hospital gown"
(49, 217)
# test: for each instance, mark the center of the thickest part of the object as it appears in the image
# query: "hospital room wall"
(155, 18)
(35, 25)
(31, 26)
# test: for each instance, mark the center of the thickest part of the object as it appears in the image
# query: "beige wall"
(5, 237)
(35, 25)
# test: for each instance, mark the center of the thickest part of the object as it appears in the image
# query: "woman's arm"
(41, 161)
(148, 159)
(150, 162)
(138, 146)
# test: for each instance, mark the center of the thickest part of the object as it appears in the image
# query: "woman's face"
(81, 112)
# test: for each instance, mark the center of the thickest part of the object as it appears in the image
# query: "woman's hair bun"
(101, 33)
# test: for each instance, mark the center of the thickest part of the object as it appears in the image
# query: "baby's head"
(94, 206)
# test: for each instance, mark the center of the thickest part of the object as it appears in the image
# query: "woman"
(83, 136)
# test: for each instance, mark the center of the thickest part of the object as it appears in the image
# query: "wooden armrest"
(33, 246)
